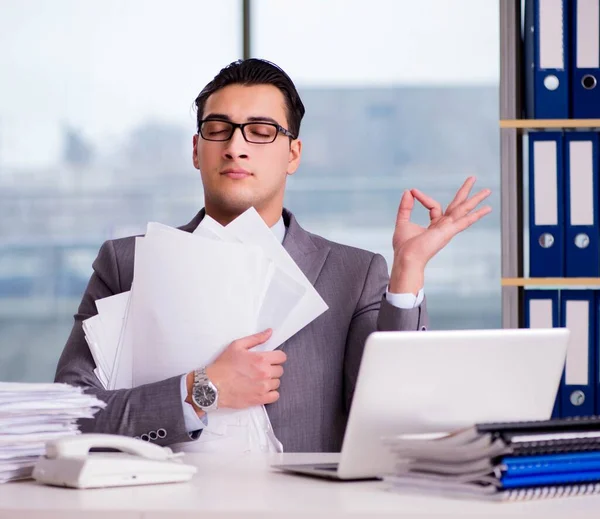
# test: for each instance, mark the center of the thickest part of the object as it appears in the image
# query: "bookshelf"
(534, 124)
(551, 282)
(511, 174)
(512, 129)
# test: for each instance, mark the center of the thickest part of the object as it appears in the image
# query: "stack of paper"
(502, 461)
(30, 415)
(192, 295)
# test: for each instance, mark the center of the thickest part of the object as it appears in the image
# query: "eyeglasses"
(254, 133)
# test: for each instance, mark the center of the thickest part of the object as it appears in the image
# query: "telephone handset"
(80, 446)
(69, 462)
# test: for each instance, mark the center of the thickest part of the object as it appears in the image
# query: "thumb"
(406, 205)
(249, 342)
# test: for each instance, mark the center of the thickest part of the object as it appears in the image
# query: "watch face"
(204, 396)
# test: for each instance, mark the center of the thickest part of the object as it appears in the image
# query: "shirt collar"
(279, 230)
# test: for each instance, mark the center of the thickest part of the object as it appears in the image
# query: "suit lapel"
(303, 250)
(191, 226)
(297, 242)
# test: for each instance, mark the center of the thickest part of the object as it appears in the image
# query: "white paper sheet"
(249, 228)
(192, 297)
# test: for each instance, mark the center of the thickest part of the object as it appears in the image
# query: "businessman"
(246, 144)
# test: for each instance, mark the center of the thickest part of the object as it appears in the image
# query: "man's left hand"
(415, 245)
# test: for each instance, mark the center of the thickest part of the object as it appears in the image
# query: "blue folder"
(582, 249)
(578, 386)
(551, 464)
(550, 479)
(547, 34)
(585, 61)
(546, 205)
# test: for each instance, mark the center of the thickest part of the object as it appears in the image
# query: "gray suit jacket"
(322, 359)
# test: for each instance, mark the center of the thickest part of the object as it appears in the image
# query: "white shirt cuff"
(192, 421)
(405, 301)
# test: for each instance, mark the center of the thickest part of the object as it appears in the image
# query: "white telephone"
(68, 462)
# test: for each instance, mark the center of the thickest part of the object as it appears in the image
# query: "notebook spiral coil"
(528, 494)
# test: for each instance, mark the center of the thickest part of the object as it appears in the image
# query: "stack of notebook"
(502, 461)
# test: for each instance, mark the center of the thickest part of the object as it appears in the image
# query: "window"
(398, 94)
(96, 123)
(96, 126)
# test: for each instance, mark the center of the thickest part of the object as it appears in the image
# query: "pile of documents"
(30, 415)
(192, 295)
(503, 461)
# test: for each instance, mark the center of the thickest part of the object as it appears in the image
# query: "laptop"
(439, 381)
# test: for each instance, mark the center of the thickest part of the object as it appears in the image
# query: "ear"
(195, 151)
(294, 158)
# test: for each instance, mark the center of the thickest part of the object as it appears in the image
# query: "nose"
(236, 147)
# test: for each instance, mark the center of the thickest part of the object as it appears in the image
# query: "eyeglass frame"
(242, 126)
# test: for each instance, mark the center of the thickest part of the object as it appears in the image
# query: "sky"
(105, 67)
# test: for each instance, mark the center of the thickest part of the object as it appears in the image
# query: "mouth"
(236, 173)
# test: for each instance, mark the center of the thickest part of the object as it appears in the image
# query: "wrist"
(189, 380)
(214, 374)
(407, 277)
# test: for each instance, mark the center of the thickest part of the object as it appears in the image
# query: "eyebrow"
(254, 119)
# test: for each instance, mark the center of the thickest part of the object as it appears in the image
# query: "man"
(247, 144)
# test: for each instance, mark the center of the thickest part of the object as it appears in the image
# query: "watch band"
(200, 380)
(200, 377)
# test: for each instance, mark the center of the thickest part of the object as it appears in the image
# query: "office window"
(96, 126)
(398, 94)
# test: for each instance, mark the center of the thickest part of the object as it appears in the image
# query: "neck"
(270, 215)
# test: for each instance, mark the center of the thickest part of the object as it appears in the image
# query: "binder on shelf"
(578, 386)
(546, 207)
(582, 253)
(547, 59)
(585, 61)
(597, 352)
(542, 311)
(582, 214)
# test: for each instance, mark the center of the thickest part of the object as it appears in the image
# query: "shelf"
(553, 282)
(527, 124)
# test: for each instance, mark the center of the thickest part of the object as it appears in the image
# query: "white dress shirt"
(194, 423)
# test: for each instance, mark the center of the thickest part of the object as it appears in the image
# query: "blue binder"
(542, 311)
(578, 386)
(550, 479)
(585, 61)
(551, 463)
(597, 350)
(547, 59)
(582, 248)
(546, 207)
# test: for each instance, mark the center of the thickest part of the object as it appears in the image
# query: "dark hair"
(255, 71)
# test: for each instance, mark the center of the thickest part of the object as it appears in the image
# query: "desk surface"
(228, 486)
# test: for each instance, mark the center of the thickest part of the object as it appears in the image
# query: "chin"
(235, 204)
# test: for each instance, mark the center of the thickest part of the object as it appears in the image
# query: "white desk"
(245, 486)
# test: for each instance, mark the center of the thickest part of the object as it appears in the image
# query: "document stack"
(502, 461)
(30, 415)
(192, 295)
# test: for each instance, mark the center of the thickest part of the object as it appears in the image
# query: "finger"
(405, 208)
(462, 194)
(272, 384)
(435, 209)
(270, 397)
(467, 206)
(276, 371)
(469, 219)
(273, 357)
(254, 340)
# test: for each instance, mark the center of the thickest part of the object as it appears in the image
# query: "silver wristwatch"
(204, 393)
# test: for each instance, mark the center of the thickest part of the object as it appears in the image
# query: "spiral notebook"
(502, 461)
